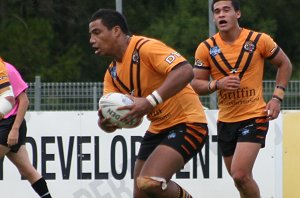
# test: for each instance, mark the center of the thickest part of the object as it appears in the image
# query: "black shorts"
(187, 139)
(5, 127)
(251, 130)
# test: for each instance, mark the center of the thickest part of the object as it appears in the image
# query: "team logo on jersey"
(198, 63)
(135, 57)
(249, 46)
(215, 50)
(113, 71)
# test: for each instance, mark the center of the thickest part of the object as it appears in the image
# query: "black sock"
(40, 187)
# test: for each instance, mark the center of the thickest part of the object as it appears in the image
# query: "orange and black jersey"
(244, 58)
(4, 80)
(144, 67)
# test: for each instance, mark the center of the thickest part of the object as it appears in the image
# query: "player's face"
(225, 17)
(101, 38)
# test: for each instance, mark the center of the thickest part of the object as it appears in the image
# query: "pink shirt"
(18, 85)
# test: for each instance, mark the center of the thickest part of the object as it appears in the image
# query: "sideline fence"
(84, 96)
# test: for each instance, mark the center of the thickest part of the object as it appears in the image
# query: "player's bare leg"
(26, 169)
(137, 169)
(21, 161)
(154, 175)
(3, 151)
(240, 167)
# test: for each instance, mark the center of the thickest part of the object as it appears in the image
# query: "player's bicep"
(201, 74)
(280, 59)
(202, 65)
(161, 57)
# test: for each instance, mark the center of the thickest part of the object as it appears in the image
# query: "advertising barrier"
(79, 160)
(291, 154)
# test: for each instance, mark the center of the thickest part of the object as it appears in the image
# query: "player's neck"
(123, 45)
(231, 35)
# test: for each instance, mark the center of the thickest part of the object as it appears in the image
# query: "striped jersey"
(144, 67)
(4, 79)
(243, 58)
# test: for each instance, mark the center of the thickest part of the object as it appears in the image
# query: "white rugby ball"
(109, 104)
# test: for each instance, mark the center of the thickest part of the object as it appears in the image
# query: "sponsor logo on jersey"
(272, 51)
(215, 50)
(172, 57)
(198, 63)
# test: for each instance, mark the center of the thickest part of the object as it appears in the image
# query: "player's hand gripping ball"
(109, 104)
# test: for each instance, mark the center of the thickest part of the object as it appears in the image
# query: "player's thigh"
(163, 162)
(3, 150)
(138, 167)
(227, 162)
(244, 156)
(20, 158)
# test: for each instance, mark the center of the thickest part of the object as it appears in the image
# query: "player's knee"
(148, 184)
(240, 178)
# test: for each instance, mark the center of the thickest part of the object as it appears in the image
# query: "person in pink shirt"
(13, 134)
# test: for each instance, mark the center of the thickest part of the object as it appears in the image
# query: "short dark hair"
(111, 18)
(235, 4)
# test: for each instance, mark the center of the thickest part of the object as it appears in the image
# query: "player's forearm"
(284, 73)
(176, 81)
(201, 87)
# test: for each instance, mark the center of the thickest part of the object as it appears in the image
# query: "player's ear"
(238, 14)
(117, 31)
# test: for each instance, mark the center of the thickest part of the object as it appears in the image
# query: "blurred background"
(50, 38)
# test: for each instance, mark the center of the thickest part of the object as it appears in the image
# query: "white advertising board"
(78, 160)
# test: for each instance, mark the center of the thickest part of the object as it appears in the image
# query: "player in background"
(13, 127)
(157, 78)
(234, 58)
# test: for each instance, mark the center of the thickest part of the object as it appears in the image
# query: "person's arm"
(176, 80)
(284, 68)
(284, 71)
(23, 106)
(201, 83)
(203, 86)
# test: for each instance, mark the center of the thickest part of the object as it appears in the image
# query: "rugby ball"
(109, 103)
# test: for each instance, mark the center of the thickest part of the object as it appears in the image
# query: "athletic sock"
(183, 193)
(40, 187)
